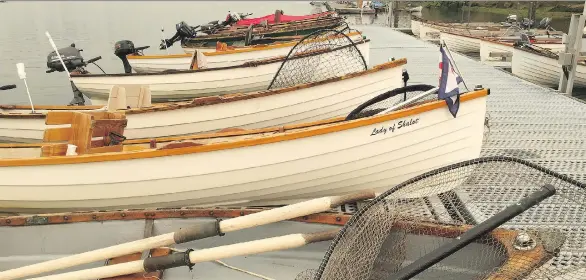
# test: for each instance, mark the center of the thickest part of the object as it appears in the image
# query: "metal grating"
(525, 120)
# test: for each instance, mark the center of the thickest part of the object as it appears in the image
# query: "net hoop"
(315, 34)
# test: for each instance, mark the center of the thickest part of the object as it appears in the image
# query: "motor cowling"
(124, 48)
(121, 50)
(71, 57)
(184, 30)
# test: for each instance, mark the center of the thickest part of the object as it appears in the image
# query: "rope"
(244, 271)
(227, 265)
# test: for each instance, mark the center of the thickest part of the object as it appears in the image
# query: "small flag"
(448, 83)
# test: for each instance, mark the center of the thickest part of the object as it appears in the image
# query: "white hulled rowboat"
(186, 84)
(542, 69)
(278, 166)
(460, 43)
(487, 47)
(428, 33)
(216, 59)
(301, 103)
(415, 26)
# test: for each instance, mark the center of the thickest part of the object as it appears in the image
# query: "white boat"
(499, 53)
(300, 103)
(496, 53)
(461, 43)
(428, 33)
(415, 26)
(187, 84)
(541, 69)
(216, 59)
(417, 9)
(273, 167)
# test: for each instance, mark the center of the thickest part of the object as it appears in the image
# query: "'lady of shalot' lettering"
(392, 127)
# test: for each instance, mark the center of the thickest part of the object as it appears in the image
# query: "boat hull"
(167, 87)
(415, 26)
(461, 44)
(334, 160)
(302, 105)
(428, 33)
(543, 70)
(488, 47)
(216, 59)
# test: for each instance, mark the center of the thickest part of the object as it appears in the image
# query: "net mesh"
(418, 216)
(319, 56)
(393, 99)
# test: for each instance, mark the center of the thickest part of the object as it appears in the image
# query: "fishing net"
(319, 56)
(394, 235)
(395, 99)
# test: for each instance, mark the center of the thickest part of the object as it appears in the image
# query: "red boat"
(277, 18)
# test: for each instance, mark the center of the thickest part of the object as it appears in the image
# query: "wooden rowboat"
(499, 52)
(303, 27)
(55, 235)
(465, 42)
(541, 67)
(271, 166)
(217, 59)
(187, 84)
(301, 103)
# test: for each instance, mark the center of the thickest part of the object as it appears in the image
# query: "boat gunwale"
(233, 51)
(248, 64)
(517, 262)
(279, 136)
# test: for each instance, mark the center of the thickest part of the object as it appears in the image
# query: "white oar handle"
(191, 257)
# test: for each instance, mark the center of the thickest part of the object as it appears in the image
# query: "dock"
(526, 121)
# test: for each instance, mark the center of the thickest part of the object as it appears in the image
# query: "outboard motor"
(511, 18)
(7, 87)
(121, 50)
(71, 57)
(184, 31)
(74, 63)
(544, 23)
(527, 23)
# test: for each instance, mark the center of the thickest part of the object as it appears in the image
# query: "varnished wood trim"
(278, 137)
(50, 107)
(159, 56)
(264, 47)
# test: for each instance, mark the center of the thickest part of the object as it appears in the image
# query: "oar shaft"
(165, 262)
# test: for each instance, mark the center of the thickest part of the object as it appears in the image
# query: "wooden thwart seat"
(89, 131)
(129, 96)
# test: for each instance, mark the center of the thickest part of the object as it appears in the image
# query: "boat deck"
(526, 121)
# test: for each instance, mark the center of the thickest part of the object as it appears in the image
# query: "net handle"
(409, 101)
(474, 233)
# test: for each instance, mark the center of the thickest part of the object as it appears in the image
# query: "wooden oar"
(189, 258)
(203, 230)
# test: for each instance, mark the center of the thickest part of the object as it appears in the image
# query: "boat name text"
(396, 125)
